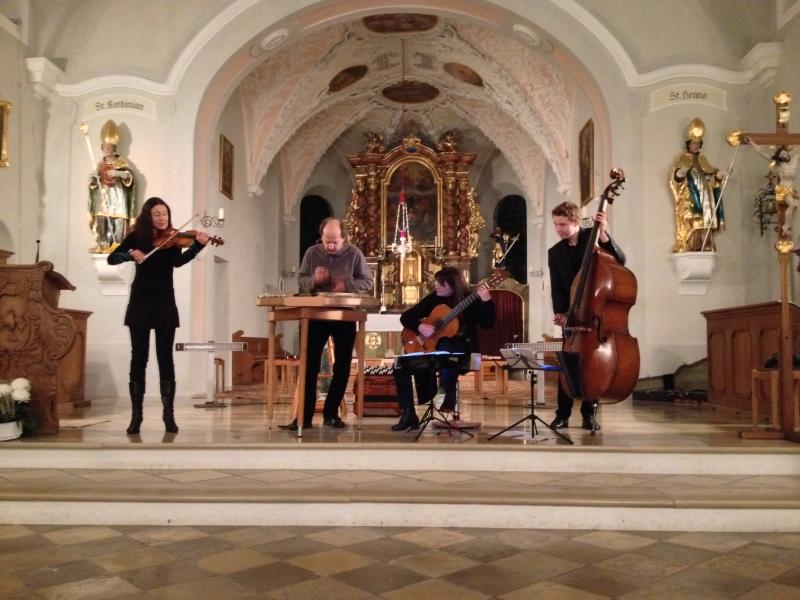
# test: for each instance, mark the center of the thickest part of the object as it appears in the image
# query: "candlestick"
(221, 216)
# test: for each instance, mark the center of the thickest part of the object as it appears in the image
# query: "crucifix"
(785, 193)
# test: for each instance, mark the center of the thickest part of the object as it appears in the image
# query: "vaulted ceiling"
(331, 87)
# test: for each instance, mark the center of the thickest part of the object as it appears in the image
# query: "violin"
(181, 239)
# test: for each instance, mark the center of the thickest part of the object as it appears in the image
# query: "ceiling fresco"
(420, 74)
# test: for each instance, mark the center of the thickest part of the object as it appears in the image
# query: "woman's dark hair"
(454, 278)
(143, 229)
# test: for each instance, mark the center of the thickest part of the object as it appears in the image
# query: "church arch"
(221, 80)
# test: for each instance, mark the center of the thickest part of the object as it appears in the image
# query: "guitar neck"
(457, 310)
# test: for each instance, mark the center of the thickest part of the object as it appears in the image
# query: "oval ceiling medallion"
(400, 23)
(527, 35)
(274, 39)
(346, 77)
(463, 73)
(410, 92)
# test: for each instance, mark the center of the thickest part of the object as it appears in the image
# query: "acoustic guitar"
(444, 320)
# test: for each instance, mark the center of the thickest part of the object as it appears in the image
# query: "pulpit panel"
(740, 338)
(36, 337)
(742, 355)
(716, 356)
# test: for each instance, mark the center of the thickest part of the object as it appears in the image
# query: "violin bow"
(174, 233)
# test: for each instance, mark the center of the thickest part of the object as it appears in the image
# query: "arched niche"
(313, 210)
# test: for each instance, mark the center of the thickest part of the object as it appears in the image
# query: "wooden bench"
(248, 366)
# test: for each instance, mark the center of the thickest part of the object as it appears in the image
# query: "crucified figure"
(784, 166)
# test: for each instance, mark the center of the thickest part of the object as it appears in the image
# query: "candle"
(221, 214)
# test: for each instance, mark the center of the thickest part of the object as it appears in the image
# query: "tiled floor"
(199, 562)
(58, 562)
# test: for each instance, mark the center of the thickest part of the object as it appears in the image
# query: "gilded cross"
(785, 194)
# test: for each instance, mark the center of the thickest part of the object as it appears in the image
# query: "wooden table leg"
(360, 372)
(269, 373)
(301, 378)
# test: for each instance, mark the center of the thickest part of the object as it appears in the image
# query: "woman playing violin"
(152, 302)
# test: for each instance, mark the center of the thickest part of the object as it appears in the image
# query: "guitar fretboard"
(457, 310)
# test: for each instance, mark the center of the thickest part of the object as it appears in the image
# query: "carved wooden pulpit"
(39, 341)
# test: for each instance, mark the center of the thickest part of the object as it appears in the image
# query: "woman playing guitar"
(445, 320)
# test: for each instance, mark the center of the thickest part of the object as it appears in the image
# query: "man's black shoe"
(590, 424)
(559, 423)
(293, 426)
(334, 422)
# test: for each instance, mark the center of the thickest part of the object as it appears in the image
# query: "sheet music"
(526, 358)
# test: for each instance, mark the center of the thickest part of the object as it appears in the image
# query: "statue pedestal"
(694, 271)
(114, 279)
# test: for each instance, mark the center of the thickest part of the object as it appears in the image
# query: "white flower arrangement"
(14, 399)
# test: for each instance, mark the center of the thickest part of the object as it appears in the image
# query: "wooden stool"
(289, 368)
(491, 369)
(772, 377)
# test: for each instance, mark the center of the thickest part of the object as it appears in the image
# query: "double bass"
(600, 359)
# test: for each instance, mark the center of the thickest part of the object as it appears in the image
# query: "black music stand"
(427, 361)
(518, 359)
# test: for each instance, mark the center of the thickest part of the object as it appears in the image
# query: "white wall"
(21, 181)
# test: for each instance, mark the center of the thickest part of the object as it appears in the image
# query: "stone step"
(388, 457)
(362, 485)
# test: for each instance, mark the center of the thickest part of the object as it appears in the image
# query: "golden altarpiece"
(443, 214)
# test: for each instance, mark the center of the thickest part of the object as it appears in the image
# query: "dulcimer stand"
(211, 348)
(519, 359)
(434, 361)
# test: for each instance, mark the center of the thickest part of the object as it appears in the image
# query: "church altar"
(443, 213)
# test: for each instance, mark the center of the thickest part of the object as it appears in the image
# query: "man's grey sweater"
(347, 265)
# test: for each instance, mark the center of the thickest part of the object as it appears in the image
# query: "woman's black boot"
(399, 425)
(449, 402)
(413, 420)
(168, 402)
(409, 420)
(136, 389)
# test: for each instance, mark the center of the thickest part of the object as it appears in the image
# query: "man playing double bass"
(564, 261)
